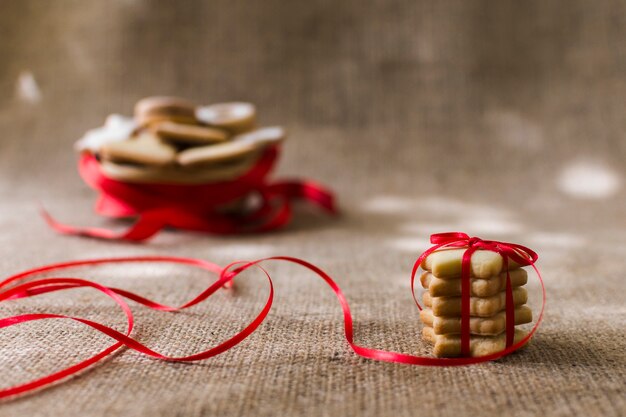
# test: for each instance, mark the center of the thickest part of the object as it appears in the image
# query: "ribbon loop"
(447, 237)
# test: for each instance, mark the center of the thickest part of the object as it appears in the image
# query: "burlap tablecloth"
(501, 119)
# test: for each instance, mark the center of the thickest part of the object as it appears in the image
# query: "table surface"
(502, 120)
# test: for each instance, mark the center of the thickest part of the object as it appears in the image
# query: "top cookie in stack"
(442, 315)
(171, 140)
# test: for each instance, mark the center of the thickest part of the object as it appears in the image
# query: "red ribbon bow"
(12, 289)
(195, 207)
(521, 255)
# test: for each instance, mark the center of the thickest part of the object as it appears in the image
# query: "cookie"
(160, 108)
(241, 145)
(190, 134)
(446, 263)
(438, 287)
(263, 137)
(210, 154)
(479, 307)
(173, 174)
(487, 326)
(116, 128)
(235, 117)
(449, 346)
(146, 149)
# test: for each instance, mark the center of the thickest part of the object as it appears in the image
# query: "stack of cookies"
(172, 141)
(442, 313)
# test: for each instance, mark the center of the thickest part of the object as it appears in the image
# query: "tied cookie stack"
(172, 141)
(442, 315)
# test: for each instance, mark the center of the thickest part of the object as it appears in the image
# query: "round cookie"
(263, 136)
(174, 174)
(159, 108)
(146, 149)
(210, 154)
(236, 117)
(190, 134)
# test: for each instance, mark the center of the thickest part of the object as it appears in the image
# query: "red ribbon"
(195, 207)
(12, 289)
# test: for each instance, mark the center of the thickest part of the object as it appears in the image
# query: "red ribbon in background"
(12, 289)
(195, 207)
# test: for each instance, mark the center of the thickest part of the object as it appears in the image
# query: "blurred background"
(471, 98)
(504, 119)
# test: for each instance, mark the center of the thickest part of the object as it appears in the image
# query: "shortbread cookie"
(156, 109)
(438, 287)
(235, 117)
(487, 326)
(446, 263)
(479, 307)
(146, 149)
(190, 134)
(449, 346)
(263, 137)
(240, 146)
(178, 175)
(210, 154)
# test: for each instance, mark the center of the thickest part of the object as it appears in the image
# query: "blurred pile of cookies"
(171, 140)
(442, 315)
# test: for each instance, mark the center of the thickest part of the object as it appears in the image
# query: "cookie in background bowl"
(160, 108)
(171, 140)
